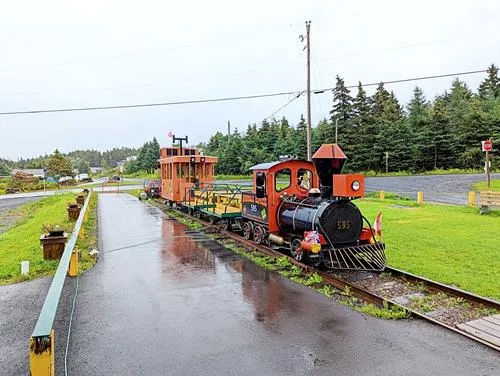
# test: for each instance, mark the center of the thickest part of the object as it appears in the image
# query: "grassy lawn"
(143, 175)
(495, 186)
(443, 243)
(22, 241)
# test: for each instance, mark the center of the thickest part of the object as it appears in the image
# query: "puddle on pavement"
(183, 258)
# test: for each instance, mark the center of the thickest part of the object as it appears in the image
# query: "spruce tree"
(490, 87)
(342, 113)
(364, 158)
(300, 139)
(418, 122)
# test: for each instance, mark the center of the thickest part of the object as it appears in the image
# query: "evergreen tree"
(444, 142)
(323, 133)
(366, 130)
(341, 113)
(300, 139)
(4, 169)
(418, 122)
(490, 87)
(59, 166)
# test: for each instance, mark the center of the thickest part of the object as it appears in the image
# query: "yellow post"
(472, 199)
(382, 195)
(42, 356)
(420, 197)
(73, 263)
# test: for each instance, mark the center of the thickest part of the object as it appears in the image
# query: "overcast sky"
(61, 54)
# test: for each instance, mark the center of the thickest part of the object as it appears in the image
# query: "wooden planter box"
(73, 212)
(53, 246)
(80, 200)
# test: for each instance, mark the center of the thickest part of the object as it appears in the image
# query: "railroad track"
(470, 315)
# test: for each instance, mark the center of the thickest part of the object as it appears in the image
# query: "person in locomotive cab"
(303, 182)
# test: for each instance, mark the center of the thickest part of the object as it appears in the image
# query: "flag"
(170, 135)
(377, 226)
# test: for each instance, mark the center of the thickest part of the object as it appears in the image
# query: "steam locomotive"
(302, 207)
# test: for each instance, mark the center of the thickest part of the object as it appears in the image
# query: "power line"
(102, 108)
(225, 99)
(286, 104)
(320, 91)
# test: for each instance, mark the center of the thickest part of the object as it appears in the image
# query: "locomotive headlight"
(355, 185)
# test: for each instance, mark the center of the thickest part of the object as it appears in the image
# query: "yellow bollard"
(382, 195)
(73, 263)
(42, 356)
(420, 197)
(472, 199)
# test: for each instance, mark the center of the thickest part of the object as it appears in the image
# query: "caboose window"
(282, 179)
(169, 152)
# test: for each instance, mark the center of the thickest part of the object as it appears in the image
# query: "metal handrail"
(47, 315)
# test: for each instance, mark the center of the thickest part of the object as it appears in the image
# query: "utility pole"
(386, 162)
(228, 130)
(308, 47)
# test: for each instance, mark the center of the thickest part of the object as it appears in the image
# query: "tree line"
(147, 158)
(442, 133)
(81, 160)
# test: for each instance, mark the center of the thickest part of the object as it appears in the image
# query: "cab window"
(282, 179)
(304, 179)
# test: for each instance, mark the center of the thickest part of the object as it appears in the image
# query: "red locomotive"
(301, 206)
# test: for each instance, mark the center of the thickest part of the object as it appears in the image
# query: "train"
(304, 208)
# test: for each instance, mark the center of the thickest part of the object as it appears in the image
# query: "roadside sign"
(487, 145)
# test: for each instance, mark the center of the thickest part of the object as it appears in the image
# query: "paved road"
(452, 189)
(177, 303)
(6, 218)
(51, 193)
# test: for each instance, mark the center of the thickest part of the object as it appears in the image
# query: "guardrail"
(41, 343)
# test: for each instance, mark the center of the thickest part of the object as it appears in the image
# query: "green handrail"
(47, 315)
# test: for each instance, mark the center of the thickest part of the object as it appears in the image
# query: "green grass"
(143, 175)
(22, 241)
(233, 177)
(483, 186)
(87, 241)
(451, 244)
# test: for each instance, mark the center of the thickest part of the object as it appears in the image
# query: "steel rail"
(450, 290)
(364, 294)
(47, 315)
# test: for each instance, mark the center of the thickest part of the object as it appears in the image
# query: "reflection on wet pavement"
(164, 299)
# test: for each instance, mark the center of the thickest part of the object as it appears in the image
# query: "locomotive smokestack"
(329, 160)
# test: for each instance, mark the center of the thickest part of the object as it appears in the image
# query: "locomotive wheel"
(297, 253)
(197, 214)
(247, 230)
(259, 234)
(211, 219)
(224, 224)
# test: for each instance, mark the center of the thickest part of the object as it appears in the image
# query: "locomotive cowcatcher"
(305, 208)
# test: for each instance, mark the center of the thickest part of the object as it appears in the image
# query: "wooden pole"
(488, 177)
(308, 46)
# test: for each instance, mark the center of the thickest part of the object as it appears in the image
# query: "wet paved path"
(178, 304)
